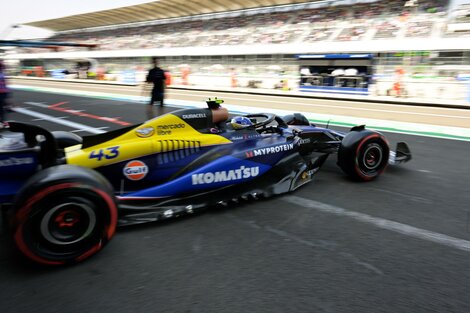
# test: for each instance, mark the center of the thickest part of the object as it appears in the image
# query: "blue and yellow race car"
(64, 195)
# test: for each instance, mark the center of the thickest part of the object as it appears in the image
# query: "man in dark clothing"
(156, 76)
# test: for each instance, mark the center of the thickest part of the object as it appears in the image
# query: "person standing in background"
(4, 91)
(156, 76)
(233, 78)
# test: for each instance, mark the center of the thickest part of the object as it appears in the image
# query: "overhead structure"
(43, 44)
(156, 10)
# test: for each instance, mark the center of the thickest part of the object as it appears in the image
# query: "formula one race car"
(64, 195)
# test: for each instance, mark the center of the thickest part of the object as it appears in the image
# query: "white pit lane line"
(400, 228)
(60, 121)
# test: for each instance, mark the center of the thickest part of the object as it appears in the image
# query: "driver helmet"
(239, 122)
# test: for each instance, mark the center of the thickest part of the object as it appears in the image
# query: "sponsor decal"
(195, 115)
(304, 141)
(307, 175)
(167, 129)
(135, 170)
(269, 150)
(16, 161)
(224, 176)
(189, 209)
(304, 178)
(145, 132)
(245, 136)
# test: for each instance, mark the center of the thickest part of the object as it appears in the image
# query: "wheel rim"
(372, 157)
(68, 223)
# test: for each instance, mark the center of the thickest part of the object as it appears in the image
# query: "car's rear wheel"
(65, 218)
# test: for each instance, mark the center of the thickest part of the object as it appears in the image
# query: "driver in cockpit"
(220, 116)
(240, 122)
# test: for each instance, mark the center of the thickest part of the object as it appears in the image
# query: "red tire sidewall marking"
(90, 252)
(359, 146)
(23, 212)
(22, 215)
(111, 227)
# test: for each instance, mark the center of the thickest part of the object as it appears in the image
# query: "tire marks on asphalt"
(400, 228)
(318, 244)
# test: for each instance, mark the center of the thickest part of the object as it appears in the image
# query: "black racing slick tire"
(63, 215)
(363, 155)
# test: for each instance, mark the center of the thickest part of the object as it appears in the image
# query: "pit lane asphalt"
(269, 255)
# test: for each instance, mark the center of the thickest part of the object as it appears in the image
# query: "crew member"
(156, 76)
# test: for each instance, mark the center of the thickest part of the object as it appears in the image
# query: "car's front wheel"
(363, 155)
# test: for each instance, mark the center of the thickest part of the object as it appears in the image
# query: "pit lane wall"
(416, 91)
(443, 90)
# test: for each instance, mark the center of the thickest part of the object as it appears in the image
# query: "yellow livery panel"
(162, 134)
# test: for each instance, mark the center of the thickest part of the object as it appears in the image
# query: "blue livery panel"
(223, 172)
(15, 169)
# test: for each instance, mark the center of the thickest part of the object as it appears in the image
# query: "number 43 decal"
(108, 153)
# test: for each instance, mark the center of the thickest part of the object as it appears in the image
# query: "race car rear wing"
(402, 154)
